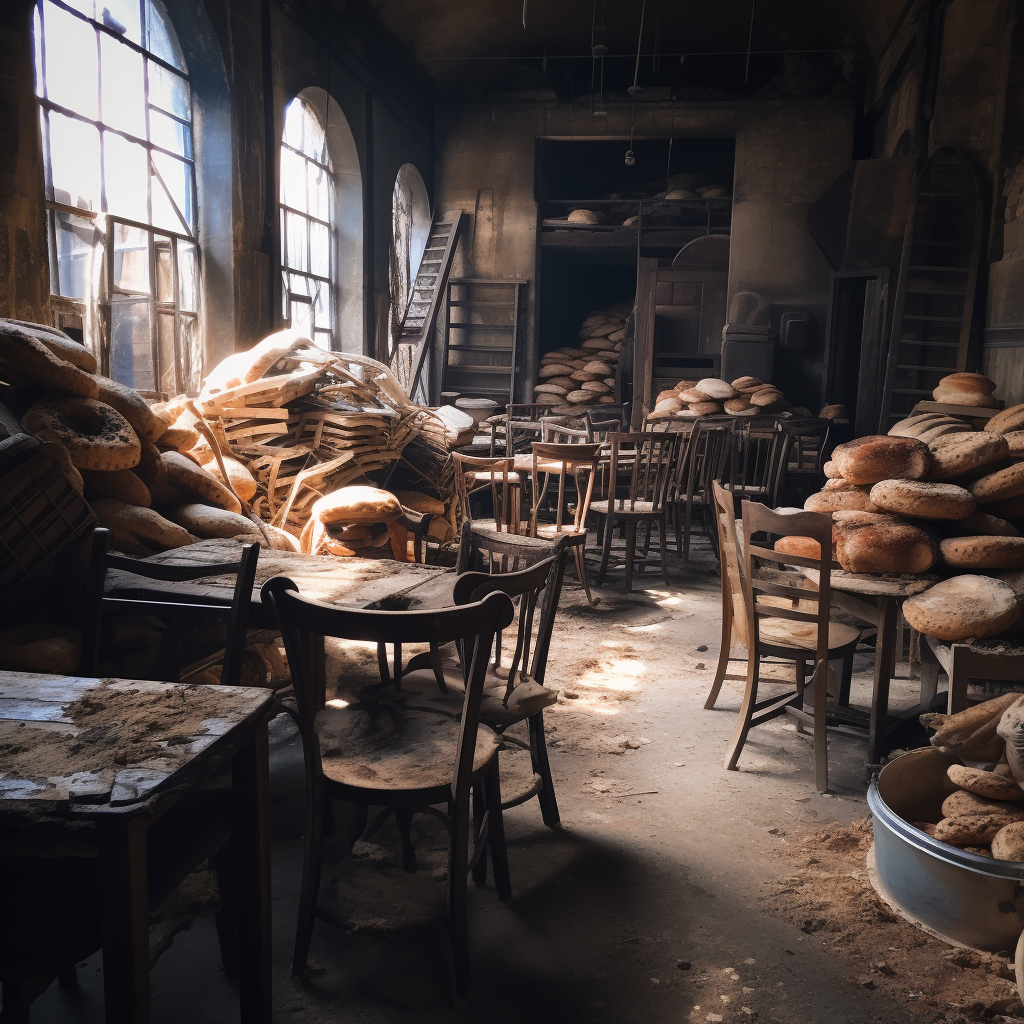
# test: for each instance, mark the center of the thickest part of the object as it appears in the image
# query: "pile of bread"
(692, 399)
(573, 378)
(984, 815)
(149, 477)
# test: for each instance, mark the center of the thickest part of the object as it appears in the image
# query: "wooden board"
(971, 411)
(876, 584)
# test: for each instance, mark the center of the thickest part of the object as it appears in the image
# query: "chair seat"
(378, 746)
(803, 636)
(524, 463)
(489, 526)
(550, 531)
(485, 476)
(636, 508)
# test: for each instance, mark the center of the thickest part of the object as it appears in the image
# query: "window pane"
(302, 317)
(164, 270)
(87, 7)
(161, 38)
(131, 259)
(75, 162)
(319, 185)
(322, 306)
(295, 228)
(191, 353)
(169, 91)
(293, 124)
(323, 339)
(299, 285)
(75, 238)
(169, 134)
(312, 135)
(131, 343)
(188, 276)
(125, 166)
(319, 249)
(168, 359)
(123, 17)
(293, 180)
(71, 65)
(37, 49)
(177, 177)
(123, 94)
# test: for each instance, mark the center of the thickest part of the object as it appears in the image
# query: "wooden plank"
(875, 584)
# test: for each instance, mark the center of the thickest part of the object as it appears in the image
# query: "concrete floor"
(645, 905)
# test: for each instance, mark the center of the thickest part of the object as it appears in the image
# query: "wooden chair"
(498, 476)
(780, 619)
(802, 466)
(650, 460)
(575, 462)
(433, 759)
(515, 693)
(963, 662)
(604, 420)
(756, 460)
(707, 458)
(524, 423)
(182, 609)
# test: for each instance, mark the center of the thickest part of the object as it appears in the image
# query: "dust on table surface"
(829, 897)
(115, 727)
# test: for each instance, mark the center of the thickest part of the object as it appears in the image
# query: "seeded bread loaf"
(867, 542)
(962, 607)
(866, 460)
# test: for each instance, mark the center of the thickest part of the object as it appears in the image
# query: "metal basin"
(962, 896)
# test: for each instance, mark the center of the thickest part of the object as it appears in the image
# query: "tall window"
(307, 235)
(116, 111)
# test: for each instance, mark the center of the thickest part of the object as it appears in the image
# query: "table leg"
(251, 852)
(125, 921)
(885, 643)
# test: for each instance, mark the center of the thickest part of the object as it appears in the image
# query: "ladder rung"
(945, 245)
(930, 344)
(947, 195)
(936, 291)
(927, 369)
(941, 270)
(936, 319)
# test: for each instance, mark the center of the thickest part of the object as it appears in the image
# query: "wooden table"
(849, 591)
(124, 801)
(347, 582)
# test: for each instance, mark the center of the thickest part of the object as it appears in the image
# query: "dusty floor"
(673, 892)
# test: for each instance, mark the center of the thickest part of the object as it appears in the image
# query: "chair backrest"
(647, 458)
(304, 623)
(528, 584)
(558, 433)
(709, 448)
(604, 420)
(731, 562)
(523, 424)
(807, 441)
(759, 589)
(485, 551)
(757, 456)
(97, 604)
(497, 475)
(578, 461)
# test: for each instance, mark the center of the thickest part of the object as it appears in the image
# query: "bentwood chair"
(575, 463)
(707, 459)
(177, 610)
(496, 477)
(647, 459)
(757, 460)
(431, 760)
(515, 692)
(777, 617)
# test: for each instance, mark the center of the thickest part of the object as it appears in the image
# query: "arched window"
(307, 225)
(116, 116)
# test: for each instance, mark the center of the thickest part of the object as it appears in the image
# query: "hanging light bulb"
(630, 158)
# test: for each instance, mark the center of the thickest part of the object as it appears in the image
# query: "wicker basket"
(41, 512)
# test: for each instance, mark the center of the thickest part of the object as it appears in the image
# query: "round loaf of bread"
(971, 389)
(178, 439)
(120, 484)
(668, 406)
(694, 395)
(132, 406)
(927, 827)
(923, 500)
(1015, 442)
(971, 829)
(30, 361)
(964, 802)
(943, 430)
(983, 552)
(193, 481)
(737, 404)
(602, 369)
(837, 483)
(357, 504)
(869, 542)
(1008, 842)
(555, 370)
(834, 412)
(830, 471)
(981, 524)
(745, 382)
(802, 547)
(95, 436)
(550, 389)
(963, 607)
(241, 480)
(716, 389)
(52, 446)
(904, 426)
(990, 785)
(584, 217)
(766, 398)
(748, 410)
(151, 469)
(857, 500)
(58, 343)
(961, 452)
(866, 460)
(1007, 420)
(705, 408)
(1004, 483)
(143, 524)
(207, 521)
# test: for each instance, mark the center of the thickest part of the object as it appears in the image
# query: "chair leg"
(496, 834)
(578, 554)
(846, 681)
(480, 807)
(458, 901)
(312, 863)
(739, 736)
(606, 551)
(630, 555)
(800, 679)
(687, 520)
(929, 676)
(600, 530)
(663, 541)
(403, 818)
(820, 688)
(541, 765)
(723, 666)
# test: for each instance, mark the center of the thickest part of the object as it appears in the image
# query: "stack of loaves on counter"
(949, 496)
(573, 378)
(126, 458)
(984, 814)
(692, 399)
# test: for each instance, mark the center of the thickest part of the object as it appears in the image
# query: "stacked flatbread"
(692, 399)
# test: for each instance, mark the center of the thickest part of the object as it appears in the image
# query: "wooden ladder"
(428, 290)
(931, 326)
